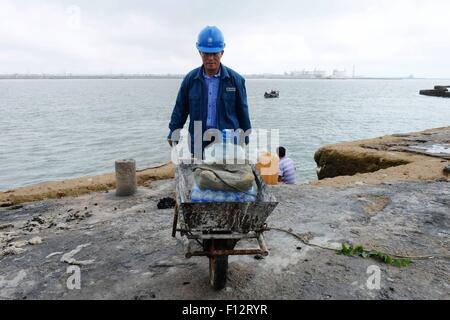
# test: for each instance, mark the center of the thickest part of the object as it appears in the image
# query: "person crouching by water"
(286, 167)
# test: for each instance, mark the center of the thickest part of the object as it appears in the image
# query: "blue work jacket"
(192, 100)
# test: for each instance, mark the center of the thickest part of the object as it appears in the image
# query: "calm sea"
(59, 129)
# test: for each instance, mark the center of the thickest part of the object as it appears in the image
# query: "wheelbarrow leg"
(175, 221)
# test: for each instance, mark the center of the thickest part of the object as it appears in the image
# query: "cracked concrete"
(131, 254)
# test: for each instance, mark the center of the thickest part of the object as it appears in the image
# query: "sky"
(378, 37)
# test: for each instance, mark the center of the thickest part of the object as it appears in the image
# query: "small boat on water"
(438, 91)
(272, 94)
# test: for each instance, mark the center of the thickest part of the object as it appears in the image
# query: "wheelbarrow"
(216, 227)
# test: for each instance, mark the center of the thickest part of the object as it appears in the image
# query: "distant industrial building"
(339, 74)
(306, 74)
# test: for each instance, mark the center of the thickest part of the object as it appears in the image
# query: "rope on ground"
(149, 168)
(306, 242)
(302, 239)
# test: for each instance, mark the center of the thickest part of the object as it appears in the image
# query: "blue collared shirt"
(212, 84)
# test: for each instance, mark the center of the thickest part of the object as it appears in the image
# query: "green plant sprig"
(377, 255)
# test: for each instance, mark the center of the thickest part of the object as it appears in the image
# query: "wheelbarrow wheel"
(218, 268)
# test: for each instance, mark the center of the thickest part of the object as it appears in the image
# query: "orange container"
(267, 165)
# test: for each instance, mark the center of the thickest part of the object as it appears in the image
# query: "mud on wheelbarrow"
(218, 226)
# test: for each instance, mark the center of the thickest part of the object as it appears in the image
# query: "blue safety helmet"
(210, 40)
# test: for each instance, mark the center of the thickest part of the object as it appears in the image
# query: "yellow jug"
(267, 165)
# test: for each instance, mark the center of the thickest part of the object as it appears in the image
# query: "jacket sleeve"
(181, 110)
(242, 108)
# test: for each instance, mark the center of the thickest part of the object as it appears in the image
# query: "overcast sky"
(381, 38)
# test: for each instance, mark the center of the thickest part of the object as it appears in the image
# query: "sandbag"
(224, 177)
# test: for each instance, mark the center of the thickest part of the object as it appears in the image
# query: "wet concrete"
(124, 249)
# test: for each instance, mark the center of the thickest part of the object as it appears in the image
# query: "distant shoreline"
(177, 76)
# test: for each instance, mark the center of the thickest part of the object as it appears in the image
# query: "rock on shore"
(405, 157)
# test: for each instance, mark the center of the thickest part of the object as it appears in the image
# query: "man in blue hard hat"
(213, 96)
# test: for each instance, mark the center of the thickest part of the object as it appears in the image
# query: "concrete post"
(125, 178)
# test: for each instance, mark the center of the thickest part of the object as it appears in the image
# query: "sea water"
(60, 129)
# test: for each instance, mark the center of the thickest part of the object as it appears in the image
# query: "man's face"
(211, 61)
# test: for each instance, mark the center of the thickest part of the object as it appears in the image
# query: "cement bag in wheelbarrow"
(224, 177)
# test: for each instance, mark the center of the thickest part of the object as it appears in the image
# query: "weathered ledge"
(402, 157)
(80, 186)
(124, 249)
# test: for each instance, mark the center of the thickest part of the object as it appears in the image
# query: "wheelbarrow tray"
(240, 217)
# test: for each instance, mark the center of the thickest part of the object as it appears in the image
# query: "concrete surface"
(124, 248)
